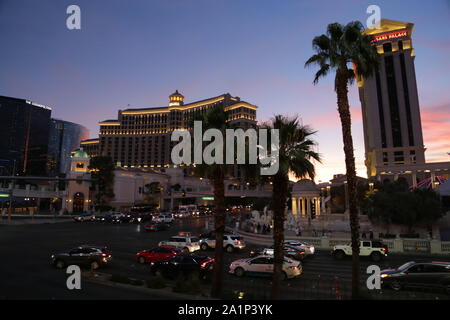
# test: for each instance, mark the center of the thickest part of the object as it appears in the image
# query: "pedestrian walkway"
(36, 220)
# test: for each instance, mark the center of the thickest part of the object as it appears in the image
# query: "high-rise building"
(24, 128)
(389, 99)
(141, 137)
(390, 108)
(64, 137)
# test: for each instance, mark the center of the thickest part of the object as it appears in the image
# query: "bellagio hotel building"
(141, 137)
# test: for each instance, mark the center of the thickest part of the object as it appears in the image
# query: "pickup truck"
(376, 250)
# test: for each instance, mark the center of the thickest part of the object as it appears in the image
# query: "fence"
(397, 245)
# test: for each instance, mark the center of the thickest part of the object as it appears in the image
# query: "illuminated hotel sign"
(389, 36)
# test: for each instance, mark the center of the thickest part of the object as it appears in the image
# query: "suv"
(231, 242)
(93, 256)
(186, 242)
(429, 275)
(376, 250)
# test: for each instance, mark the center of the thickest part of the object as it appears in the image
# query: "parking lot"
(26, 273)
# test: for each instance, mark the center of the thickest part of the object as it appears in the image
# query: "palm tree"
(335, 50)
(215, 118)
(295, 156)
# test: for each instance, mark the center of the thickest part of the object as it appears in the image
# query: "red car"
(157, 253)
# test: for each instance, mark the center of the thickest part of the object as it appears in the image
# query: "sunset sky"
(137, 52)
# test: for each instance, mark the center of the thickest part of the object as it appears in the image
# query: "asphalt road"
(26, 274)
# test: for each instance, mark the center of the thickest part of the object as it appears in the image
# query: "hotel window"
(387, 47)
(398, 156)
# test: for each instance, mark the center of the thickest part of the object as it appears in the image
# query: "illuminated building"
(390, 108)
(141, 137)
(24, 130)
(64, 136)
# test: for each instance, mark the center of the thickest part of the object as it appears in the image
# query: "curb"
(162, 293)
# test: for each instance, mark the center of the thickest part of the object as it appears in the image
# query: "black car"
(86, 255)
(156, 226)
(425, 275)
(183, 265)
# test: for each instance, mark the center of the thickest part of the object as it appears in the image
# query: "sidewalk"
(26, 219)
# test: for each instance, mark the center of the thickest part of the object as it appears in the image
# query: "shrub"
(190, 284)
(156, 283)
(120, 279)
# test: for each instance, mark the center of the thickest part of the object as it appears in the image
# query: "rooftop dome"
(176, 99)
(80, 153)
(305, 185)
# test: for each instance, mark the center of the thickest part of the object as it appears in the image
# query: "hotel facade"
(141, 137)
(393, 137)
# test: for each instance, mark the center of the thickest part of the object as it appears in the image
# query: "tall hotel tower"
(390, 104)
(141, 137)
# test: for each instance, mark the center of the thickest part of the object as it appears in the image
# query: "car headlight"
(384, 275)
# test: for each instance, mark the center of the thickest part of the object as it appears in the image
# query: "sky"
(136, 53)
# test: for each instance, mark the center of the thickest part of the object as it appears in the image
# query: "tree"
(394, 203)
(296, 156)
(215, 118)
(102, 171)
(335, 50)
(152, 193)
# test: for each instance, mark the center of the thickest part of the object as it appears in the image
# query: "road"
(26, 274)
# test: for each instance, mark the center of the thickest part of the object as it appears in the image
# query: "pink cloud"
(436, 131)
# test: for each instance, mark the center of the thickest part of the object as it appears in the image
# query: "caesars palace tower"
(390, 107)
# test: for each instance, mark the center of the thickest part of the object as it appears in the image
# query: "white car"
(309, 248)
(263, 265)
(186, 243)
(164, 218)
(231, 242)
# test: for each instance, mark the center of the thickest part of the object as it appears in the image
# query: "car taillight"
(104, 254)
(237, 242)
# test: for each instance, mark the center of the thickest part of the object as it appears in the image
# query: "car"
(84, 217)
(292, 252)
(184, 240)
(374, 249)
(103, 218)
(262, 265)
(85, 255)
(165, 218)
(307, 247)
(155, 226)
(156, 253)
(183, 214)
(182, 265)
(231, 242)
(425, 275)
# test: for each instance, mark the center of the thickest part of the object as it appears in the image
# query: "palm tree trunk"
(344, 113)
(279, 204)
(219, 226)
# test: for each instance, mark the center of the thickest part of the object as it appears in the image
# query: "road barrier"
(397, 245)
